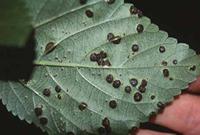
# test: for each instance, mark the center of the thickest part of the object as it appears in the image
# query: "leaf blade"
(84, 81)
(15, 23)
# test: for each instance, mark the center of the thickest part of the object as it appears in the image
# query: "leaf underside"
(66, 38)
(15, 23)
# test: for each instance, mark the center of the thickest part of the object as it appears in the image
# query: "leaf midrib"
(56, 64)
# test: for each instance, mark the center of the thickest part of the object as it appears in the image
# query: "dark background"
(179, 19)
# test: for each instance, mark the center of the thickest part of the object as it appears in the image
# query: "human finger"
(149, 132)
(182, 115)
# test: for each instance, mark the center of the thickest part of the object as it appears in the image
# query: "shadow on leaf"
(17, 63)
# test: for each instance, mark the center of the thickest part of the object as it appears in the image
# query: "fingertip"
(149, 132)
(195, 86)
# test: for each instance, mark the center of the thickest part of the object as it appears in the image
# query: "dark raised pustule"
(133, 10)
(153, 97)
(43, 121)
(142, 89)
(175, 62)
(106, 63)
(93, 57)
(193, 68)
(116, 84)
(38, 111)
(137, 97)
(103, 54)
(111, 1)
(113, 104)
(144, 83)
(70, 133)
(135, 48)
(105, 122)
(133, 82)
(82, 1)
(162, 49)
(82, 106)
(58, 89)
(99, 57)
(140, 14)
(50, 47)
(59, 97)
(128, 89)
(133, 129)
(153, 114)
(109, 78)
(166, 72)
(164, 63)
(160, 105)
(47, 92)
(116, 40)
(101, 62)
(101, 130)
(110, 36)
(89, 13)
(140, 28)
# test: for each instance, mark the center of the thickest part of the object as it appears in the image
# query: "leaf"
(15, 23)
(70, 93)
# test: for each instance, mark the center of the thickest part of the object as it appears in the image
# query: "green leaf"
(66, 40)
(15, 23)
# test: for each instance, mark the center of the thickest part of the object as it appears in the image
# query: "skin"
(182, 115)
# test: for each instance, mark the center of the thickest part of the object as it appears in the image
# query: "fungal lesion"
(152, 114)
(43, 120)
(161, 105)
(140, 28)
(128, 89)
(109, 78)
(106, 125)
(192, 68)
(165, 72)
(38, 111)
(58, 89)
(49, 47)
(133, 129)
(175, 62)
(82, 2)
(59, 96)
(110, 1)
(143, 85)
(114, 39)
(133, 82)
(137, 97)
(153, 97)
(100, 58)
(47, 92)
(113, 104)
(89, 13)
(135, 48)
(82, 106)
(162, 49)
(164, 63)
(135, 11)
(117, 83)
